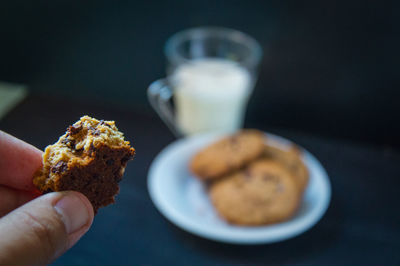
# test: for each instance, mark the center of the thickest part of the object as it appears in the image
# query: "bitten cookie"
(228, 154)
(90, 158)
(291, 159)
(263, 193)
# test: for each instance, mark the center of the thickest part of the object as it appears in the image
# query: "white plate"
(183, 200)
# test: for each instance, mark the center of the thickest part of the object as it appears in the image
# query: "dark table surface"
(361, 226)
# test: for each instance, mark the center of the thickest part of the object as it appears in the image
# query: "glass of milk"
(210, 76)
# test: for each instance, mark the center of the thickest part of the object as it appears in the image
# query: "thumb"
(43, 229)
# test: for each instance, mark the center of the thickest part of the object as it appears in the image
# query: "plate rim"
(244, 235)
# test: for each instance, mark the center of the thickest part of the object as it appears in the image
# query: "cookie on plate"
(291, 158)
(228, 154)
(263, 193)
(90, 158)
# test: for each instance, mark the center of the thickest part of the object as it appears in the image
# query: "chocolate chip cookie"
(228, 154)
(262, 193)
(90, 158)
(291, 158)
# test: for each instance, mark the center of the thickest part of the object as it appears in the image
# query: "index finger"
(18, 162)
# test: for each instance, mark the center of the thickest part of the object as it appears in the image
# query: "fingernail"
(73, 212)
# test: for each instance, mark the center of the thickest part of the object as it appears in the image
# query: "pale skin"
(35, 229)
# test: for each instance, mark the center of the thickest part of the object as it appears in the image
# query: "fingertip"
(87, 204)
(77, 213)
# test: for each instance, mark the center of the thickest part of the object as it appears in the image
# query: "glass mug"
(211, 73)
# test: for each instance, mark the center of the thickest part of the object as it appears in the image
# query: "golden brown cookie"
(228, 154)
(90, 158)
(263, 193)
(292, 160)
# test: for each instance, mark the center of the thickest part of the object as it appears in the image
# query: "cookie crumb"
(90, 158)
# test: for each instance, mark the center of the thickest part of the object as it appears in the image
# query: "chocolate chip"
(110, 162)
(247, 174)
(234, 140)
(280, 188)
(96, 132)
(102, 123)
(68, 142)
(293, 167)
(79, 151)
(59, 168)
(91, 148)
(75, 129)
(269, 177)
(235, 143)
(126, 158)
(118, 177)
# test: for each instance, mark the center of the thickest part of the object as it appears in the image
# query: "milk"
(210, 95)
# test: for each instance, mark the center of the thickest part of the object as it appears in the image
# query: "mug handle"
(159, 94)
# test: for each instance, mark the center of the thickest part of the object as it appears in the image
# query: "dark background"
(328, 81)
(330, 67)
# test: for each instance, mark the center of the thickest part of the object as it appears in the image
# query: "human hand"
(34, 229)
